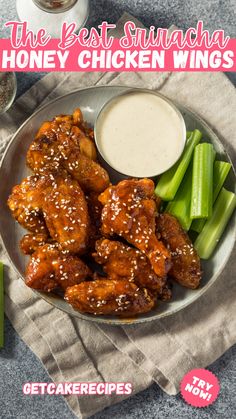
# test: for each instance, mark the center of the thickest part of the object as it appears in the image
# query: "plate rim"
(119, 321)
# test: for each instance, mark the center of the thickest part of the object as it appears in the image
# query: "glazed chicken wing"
(95, 211)
(50, 268)
(44, 152)
(90, 175)
(111, 297)
(186, 267)
(166, 293)
(79, 121)
(30, 242)
(66, 214)
(66, 142)
(124, 262)
(25, 203)
(130, 211)
(57, 200)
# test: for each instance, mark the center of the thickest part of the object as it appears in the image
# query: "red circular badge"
(200, 388)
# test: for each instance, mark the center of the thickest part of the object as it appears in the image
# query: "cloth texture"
(159, 351)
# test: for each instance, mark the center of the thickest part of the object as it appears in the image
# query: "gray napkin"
(161, 351)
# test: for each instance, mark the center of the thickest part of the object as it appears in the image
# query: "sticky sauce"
(140, 134)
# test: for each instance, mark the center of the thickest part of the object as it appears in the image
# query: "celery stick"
(1, 307)
(188, 134)
(202, 184)
(220, 172)
(180, 206)
(198, 224)
(170, 180)
(213, 229)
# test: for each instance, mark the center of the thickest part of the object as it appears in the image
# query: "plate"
(13, 170)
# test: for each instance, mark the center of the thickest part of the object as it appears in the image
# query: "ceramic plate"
(13, 170)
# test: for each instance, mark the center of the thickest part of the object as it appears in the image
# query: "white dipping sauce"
(140, 134)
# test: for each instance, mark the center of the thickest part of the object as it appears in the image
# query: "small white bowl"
(130, 143)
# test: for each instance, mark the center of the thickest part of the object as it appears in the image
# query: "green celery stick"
(1, 307)
(198, 224)
(180, 206)
(188, 134)
(202, 183)
(170, 181)
(220, 172)
(213, 229)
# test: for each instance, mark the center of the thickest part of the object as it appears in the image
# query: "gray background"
(17, 363)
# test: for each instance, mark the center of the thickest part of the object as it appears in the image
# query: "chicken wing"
(25, 203)
(30, 242)
(44, 152)
(166, 293)
(57, 200)
(90, 175)
(66, 214)
(124, 262)
(50, 268)
(111, 297)
(95, 211)
(186, 267)
(130, 211)
(67, 142)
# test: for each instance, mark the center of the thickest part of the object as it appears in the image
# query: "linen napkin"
(161, 351)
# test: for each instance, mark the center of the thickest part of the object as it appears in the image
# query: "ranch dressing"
(140, 134)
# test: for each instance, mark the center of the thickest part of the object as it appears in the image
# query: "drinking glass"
(50, 14)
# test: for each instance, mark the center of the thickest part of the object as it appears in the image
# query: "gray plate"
(13, 169)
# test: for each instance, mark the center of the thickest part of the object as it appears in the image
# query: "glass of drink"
(50, 14)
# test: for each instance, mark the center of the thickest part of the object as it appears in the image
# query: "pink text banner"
(139, 49)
